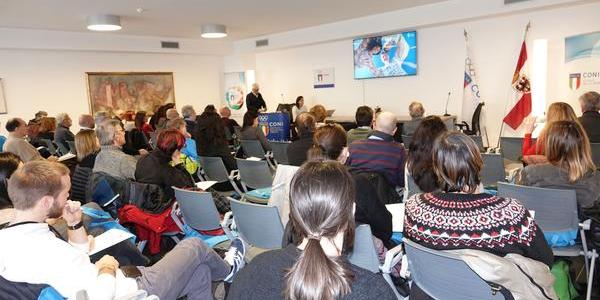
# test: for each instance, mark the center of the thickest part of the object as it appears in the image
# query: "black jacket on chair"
(590, 120)
(297, 150)
(154, 168)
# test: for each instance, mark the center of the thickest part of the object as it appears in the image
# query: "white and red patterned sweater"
(445, 221)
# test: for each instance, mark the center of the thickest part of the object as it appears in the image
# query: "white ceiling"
(182, 18)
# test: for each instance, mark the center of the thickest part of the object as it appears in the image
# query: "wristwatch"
(76, 226)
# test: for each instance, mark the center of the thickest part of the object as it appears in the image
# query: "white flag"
(471, 96)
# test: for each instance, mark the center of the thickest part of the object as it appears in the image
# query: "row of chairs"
(58, 148)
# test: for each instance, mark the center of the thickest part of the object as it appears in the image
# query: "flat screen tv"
(385, 56)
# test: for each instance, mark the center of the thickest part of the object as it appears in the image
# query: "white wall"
(55, 81)
(495, 43)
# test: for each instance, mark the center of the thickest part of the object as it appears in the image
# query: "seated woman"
(47, 128)
(534, 152)
(569, 166)
(419, 163)
(136, 138)
(87, 146)
(156, 167)
(9, 163)
(251, 131)
(320, 114)
(322, 197)
(211, 141)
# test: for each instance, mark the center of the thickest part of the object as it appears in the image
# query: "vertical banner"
(582, 61)
(235, 94)
(323, 78)
(275, 126)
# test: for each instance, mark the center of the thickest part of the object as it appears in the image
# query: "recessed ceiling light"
(213, 31)
(104, 23)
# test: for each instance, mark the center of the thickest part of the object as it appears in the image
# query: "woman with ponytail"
(321, 211)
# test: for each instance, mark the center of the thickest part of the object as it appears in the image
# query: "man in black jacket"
(254, 100)
(590, 120)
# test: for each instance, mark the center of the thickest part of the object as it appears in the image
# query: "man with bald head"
(379, 152)
(254, 100)
(86, 122)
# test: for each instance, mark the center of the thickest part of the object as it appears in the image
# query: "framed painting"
(118, 93)
(3, 109)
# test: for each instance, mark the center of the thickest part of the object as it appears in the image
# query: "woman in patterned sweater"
(462, 217)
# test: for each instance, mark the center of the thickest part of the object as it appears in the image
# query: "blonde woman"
(569, 166)
(87, 146)
(558, 111)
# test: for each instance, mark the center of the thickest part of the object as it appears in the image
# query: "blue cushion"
(561, 238)
(264, 193)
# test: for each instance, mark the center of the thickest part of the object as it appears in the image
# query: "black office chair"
(475, 128)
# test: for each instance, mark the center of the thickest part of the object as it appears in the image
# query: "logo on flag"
(521, 101)
(471, 97)
(575, 81)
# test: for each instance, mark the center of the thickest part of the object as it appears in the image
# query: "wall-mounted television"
(385, 56)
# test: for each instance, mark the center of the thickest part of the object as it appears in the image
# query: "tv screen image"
(385, 56)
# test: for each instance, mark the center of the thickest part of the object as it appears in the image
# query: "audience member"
(297, 150)
(47, 128)
(16, 143)
(210, 109)
(321, 203)
(251, 131)
(228, 123)
(558, 111)
(86, 122)
(100, 117)
(189, 116)
(320, 114)
(136, 138)
(364, 121)
(172, 113)
(39, 190)
(87, 147)
(190, 148)
(156, 168)
(111, 159)
(590, 120)
(419, 163)
(40, 114)
(33, 131)
(255, 101)
(9, 163)
(159, 118)
(298, 108)
(416, 112)
(569, 166)
(210, 139)
(380, 153)
(63, 134)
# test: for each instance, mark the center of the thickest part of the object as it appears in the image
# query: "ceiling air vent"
(262, 43)
(514, 1)
(169, 45)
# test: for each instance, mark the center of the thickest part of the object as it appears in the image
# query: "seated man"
(380, 153)
(86, 122)
(111, 159)
(16, 143)
(590, 119)
(63, 134)
(32, 253)
(416, 112)
(364, 121)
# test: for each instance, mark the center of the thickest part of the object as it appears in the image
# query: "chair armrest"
(585, 225)
(392, 257)
(234, 174)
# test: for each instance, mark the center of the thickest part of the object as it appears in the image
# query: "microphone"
(446, 114)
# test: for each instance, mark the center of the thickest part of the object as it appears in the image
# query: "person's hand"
(529, 124)
(52, 158)
(107, 264)
(176, 157)
(72, 212)
(143, 152)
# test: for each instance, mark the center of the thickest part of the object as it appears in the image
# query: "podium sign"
(275, 126)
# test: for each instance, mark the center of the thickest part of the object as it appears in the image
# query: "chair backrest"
(280, 152)
(493, 169)
(50, 145)
(214, 168)
(511, 147)
(259, 225)
(62, 149)
(253, 148)
(363, 253)
(476, 119)
(198, 209)
(555, 210)
(596, 153)
(72, 147)
(255, 173)
(478, 141)
(406, 139)
(445, 276)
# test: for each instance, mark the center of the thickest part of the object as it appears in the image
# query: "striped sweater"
(379, 153)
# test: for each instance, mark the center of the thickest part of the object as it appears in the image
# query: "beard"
(56, 210)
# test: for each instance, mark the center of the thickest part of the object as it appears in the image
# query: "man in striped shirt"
(380, 153)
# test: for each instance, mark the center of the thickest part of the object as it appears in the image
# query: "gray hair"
(100, 117)
(416, 110)
(60, 118)
(106, 132)
(590, 101)
(187, 111)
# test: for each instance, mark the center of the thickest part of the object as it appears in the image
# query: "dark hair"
(328, 142)
(457, 162)
(305, 124)
(160, 113)
(9, 163)
(12, 124)
(249, 118)
(568, 147)
(170, 140)
(209, 130)
(298, 101)
(374, 42)
(364, 116)
(210, 108)
(420, 159)
(321, 201)
(139, 120)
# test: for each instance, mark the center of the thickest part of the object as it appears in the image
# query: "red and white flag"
(521, 102)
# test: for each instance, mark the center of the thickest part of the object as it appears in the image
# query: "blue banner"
(275, 126)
